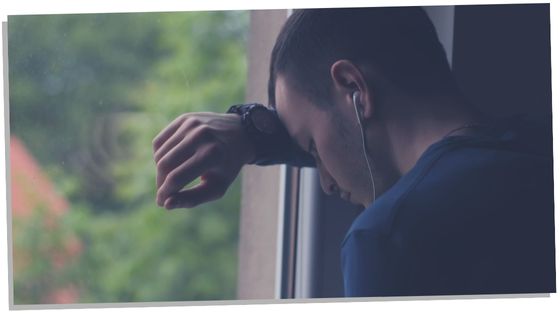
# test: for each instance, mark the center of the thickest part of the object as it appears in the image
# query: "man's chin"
(348, 197)
(357, 203)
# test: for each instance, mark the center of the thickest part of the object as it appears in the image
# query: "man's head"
(398, 45)
(322, 57)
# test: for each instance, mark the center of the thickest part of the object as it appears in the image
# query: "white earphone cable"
(354, 98)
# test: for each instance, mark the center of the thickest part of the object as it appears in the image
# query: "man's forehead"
(283, 99)
(291, 110)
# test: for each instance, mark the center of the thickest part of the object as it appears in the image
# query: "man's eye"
(311, 147)
(313, 150)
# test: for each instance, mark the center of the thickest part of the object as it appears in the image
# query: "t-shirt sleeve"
(370, 266)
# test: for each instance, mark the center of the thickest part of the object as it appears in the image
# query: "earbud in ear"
(355, 99)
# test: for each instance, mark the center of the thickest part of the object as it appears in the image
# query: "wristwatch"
(262, 126)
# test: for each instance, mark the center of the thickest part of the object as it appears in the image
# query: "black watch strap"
(274, 147)
(267, 144)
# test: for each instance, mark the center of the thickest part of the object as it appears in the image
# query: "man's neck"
(412, 133)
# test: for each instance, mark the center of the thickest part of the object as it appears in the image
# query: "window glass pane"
(88, 93)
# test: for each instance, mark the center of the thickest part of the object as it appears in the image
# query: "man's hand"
(211, 146)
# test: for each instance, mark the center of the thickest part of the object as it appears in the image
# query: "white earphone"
(355, 97)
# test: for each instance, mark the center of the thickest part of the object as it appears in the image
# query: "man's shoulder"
(452, 225)
(465, 177)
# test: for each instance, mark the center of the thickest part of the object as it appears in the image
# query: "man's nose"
(327, 182)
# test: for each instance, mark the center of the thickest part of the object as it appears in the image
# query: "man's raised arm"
(215, 147)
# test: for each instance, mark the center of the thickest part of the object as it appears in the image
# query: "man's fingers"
(171, 142)
(181, 138)
(185, 173)
(183, 150)
(162, 137)
(190, 198)
(184, 130)
(198, 145)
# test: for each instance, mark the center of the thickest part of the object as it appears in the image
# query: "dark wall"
(501, 57)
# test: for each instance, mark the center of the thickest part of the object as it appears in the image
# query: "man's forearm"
(272, 148)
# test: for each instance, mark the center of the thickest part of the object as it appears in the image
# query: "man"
(455, 202)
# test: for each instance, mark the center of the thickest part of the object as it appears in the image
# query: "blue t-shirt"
(475, 215)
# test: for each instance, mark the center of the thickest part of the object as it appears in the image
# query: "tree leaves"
(88, 93)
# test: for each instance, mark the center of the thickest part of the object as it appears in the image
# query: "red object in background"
(30, 186)
(31, 189)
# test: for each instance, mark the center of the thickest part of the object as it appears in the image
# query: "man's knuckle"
(214, 151)
(191, 122)
(162, 165)
(155, 144)
(158, 157)
(174, 178)
(200, 133)
(204, 130)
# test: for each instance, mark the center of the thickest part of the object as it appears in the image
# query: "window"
(88, 93)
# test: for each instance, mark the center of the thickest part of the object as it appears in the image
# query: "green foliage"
(153, 255)
(34, 276)
(88, 93)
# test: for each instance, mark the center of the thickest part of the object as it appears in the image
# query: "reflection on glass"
(88, 93)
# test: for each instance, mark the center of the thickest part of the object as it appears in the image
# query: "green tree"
(88, 93)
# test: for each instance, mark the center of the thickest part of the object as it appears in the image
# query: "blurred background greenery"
(88, 93)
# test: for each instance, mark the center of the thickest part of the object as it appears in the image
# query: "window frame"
(292, 222)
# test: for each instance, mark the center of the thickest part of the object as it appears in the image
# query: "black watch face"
(264, 120)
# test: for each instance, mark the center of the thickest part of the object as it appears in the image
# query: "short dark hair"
(399, 42)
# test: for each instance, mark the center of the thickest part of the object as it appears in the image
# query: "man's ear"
(347, 79)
